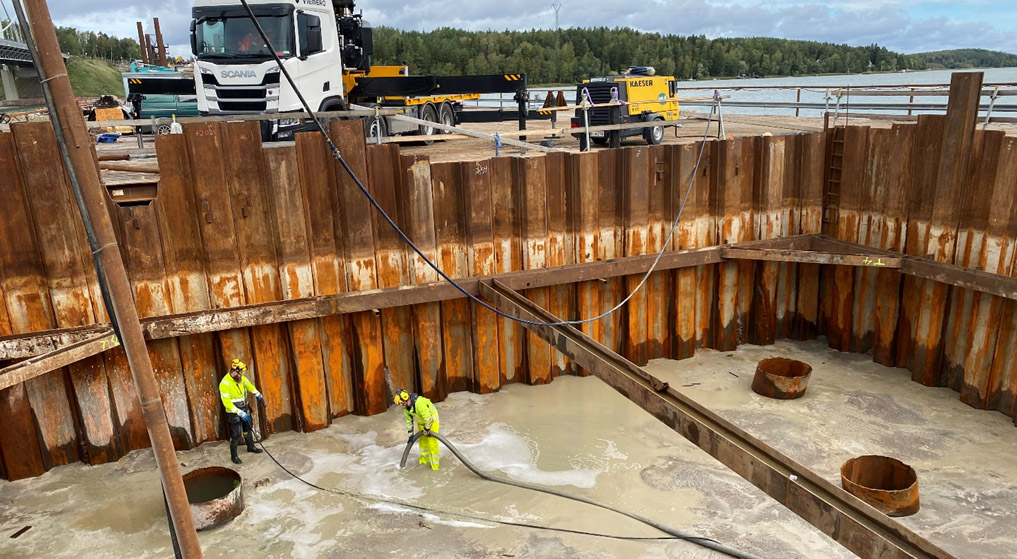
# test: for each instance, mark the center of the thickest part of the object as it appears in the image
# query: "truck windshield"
(236, 37)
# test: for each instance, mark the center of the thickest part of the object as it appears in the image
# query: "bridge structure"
(12, 55)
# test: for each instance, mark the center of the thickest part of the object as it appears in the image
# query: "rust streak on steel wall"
(218, 237)
(385, 173)
(328, 271)
(962, 317)
(893, 184)
(245, 174)
(734, 186)
(790, 215)
(56, 221)
(983, 243)
(697, 229)
(635, 203)
(841, 292)
(1002, 383)
(810, 179)
(25, 293)
(559, 250)
(928, 146)
(185, 286)
(141, 244)
(286, 208)
(962, 109)
(585, 192)
(417, 205)
(508, 257)
(769, 223)
(659, 292)
(361, 268)
(868, 228)
(611, 245)
(72, 274)
(480, 244)
(531, 182)
(450, 233)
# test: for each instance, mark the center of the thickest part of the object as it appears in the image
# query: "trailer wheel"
(430, 114)
(654, 136)
(374, 127)
(447, 116)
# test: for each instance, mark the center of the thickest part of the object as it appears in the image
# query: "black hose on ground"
(705, 542)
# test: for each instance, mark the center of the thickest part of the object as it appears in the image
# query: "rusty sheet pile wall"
(238, 224)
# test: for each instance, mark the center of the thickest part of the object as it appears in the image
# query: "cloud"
(900, 25)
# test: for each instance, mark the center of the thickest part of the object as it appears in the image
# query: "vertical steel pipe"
(82, 169)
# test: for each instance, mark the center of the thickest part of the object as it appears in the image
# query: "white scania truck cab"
(326, 48)
(235, 73)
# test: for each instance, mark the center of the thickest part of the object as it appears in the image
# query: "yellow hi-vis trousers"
(429, 448)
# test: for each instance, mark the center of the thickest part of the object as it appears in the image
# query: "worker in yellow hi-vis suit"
(420, 409)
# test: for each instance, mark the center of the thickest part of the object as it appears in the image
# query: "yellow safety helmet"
(238, 365)
(401, 397)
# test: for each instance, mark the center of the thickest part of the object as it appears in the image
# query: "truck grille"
(241, 93)
(237, 106)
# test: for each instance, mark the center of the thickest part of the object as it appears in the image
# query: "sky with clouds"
(903, 25)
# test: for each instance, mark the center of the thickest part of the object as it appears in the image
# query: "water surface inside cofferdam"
(575, 435)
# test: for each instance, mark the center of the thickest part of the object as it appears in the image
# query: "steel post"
(76, 151)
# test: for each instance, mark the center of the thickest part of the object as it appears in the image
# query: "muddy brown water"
(575, 435)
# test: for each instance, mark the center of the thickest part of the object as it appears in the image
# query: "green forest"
(573, 54)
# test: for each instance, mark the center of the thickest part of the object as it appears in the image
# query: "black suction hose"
(705, 542)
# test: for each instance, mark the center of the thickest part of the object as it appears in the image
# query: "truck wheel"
(430, 114)
(654, 136)
(447, 116)
(374, 127)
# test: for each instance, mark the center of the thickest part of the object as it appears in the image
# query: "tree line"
(85, 43)
(572, 54)
(969, 58)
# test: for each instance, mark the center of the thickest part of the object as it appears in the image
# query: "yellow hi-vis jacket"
(423, 411)
(234, 393)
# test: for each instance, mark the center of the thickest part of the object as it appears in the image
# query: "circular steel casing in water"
(216, 496)
(889, 485)
(781, 378)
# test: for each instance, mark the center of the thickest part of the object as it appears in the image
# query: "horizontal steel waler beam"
(846, 519)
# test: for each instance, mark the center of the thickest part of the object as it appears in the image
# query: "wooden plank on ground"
(508, 257)
(328, 270)
(531, 182)
(361, 268)
(186, 286)
(481, 262)
(286, 204)
(417, 204)
(450, 235)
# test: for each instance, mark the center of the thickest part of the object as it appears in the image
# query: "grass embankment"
(90, 77)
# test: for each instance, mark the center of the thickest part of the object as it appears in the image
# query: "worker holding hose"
(420, 410)
(233, 390)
